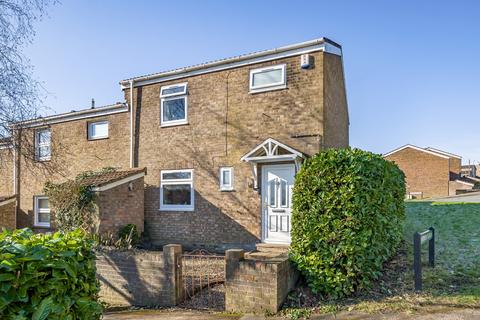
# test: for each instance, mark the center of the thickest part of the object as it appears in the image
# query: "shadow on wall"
(207, 227)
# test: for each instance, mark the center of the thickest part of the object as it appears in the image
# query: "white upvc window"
(42, 211)
(173, 105)
(226, 178)
(97, 130)
(43, 149)
(268, 78)
(176, 190)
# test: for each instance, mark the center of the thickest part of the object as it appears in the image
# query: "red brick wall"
(6, 172)
(72, 153)
(221, 129)
(257, 285)
(120, 206)
(141, 278)
(424, 172)
(7, 214)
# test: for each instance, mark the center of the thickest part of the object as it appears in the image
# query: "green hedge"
(347, 219)
(47, 276)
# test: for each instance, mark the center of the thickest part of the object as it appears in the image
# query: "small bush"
(129, 233)
(347, 219)
(47, 276)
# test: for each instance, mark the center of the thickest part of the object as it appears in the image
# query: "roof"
(107, 180)
(467, 181)
(74, 115)
(320, 44)
(443, 152)
(426, 150)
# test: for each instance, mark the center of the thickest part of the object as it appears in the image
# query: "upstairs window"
(176, 190)
(43, 149)
(42, 211)
(226, 178)
(269, 78)
(97, 130)
(174, 105)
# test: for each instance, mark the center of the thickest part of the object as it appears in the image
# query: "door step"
(272, 247)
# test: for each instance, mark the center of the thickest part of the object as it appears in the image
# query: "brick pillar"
(172, 257)
(232, 263)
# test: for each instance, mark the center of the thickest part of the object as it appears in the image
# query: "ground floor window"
(176, 190)
(42, 211)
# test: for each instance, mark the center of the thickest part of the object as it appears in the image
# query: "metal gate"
(203, 280)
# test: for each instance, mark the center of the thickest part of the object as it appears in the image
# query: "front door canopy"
(272, 151)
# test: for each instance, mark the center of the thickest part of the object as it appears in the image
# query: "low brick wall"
(137, 278)
(257, 284)
(8, 213)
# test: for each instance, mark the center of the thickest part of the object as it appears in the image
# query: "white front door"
(277, 185)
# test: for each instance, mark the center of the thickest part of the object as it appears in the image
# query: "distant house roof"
(443, 152)
(108, 180)
(467, 181)
(418, 149)
(321, 44)
(6, 199)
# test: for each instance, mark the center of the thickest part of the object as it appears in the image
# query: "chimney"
(93, 103)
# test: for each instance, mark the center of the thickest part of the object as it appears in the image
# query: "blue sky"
(412, 67)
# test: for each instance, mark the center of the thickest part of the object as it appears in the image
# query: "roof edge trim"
(415, 148)
(321, 44)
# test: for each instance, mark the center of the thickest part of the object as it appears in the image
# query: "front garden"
(454, 282)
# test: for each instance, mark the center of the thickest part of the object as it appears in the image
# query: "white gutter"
(131, 123)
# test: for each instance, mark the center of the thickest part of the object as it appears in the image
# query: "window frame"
(91, 123)
(268, 87)
(170, 207)
(38, 145)
(223, 185)
(174, 96)
(37, 210)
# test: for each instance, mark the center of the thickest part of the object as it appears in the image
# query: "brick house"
(221, 142)
(429, 172)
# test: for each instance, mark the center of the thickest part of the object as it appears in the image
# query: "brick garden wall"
(254, 285)
(8, 213)
(141, 278)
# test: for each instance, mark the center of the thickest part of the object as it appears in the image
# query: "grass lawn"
(454, 282)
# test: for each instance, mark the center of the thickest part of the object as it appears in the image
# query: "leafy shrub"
(47, 276)
(347, 219)
(129, 233)
(73, 204)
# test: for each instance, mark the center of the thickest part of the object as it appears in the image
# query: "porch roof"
(272, 150)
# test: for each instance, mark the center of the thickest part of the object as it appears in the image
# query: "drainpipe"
(131, 123)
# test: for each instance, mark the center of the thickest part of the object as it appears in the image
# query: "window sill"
(43, 160)
(42, 226)
(164, 125)
(226, 189)
(95, 139)
(260, 90)
(176, 209)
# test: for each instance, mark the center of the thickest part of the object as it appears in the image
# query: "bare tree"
(20, 97)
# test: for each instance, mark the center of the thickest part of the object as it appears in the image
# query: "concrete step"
(272, 248)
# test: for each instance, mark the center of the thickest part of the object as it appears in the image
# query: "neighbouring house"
(469, 170)
(430, 172)
(221, 142)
